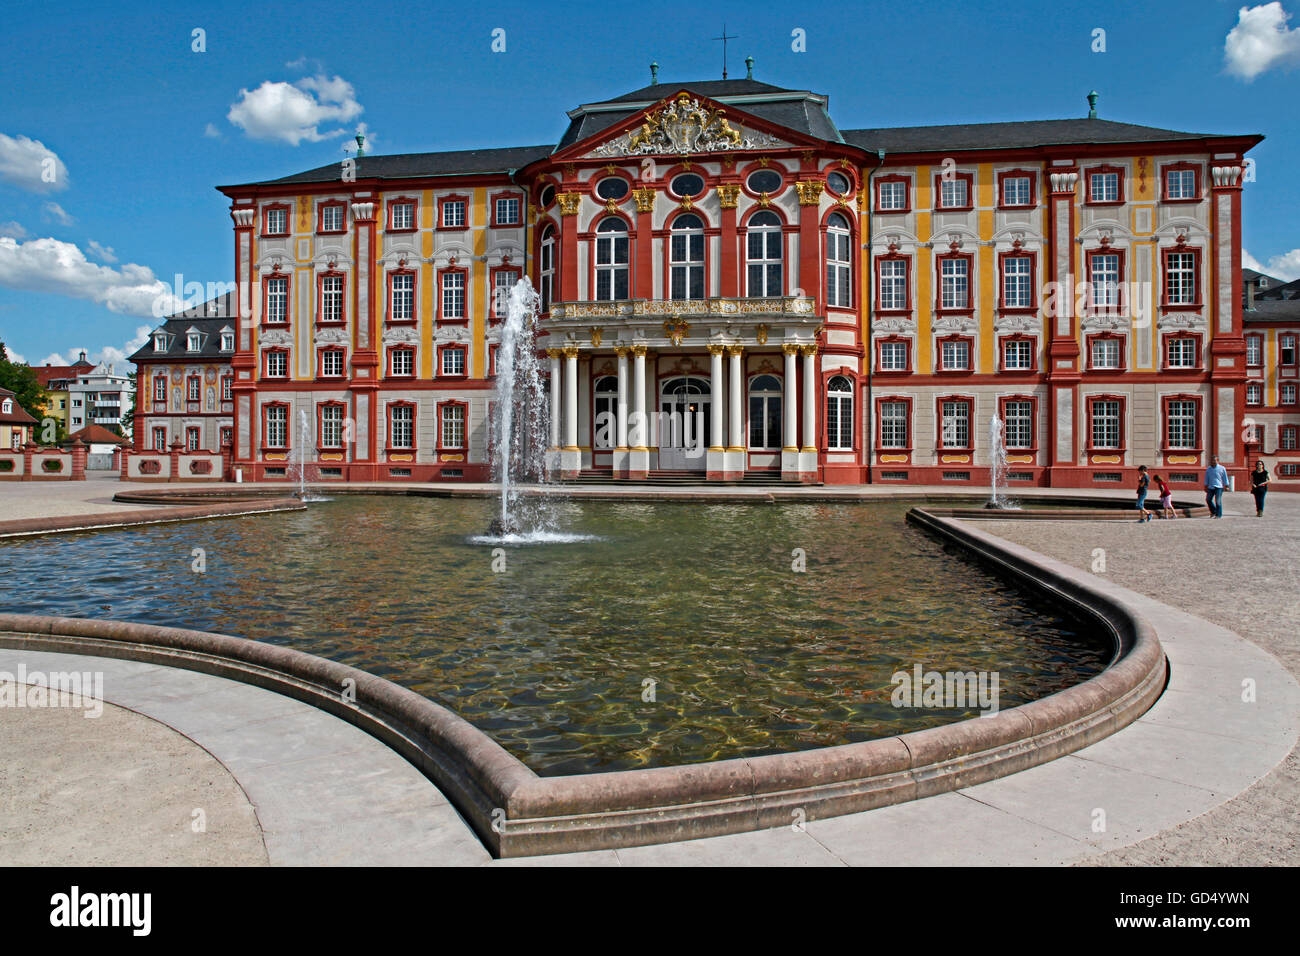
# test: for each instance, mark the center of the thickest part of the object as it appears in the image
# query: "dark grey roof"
(1273, 310)
(1250, 275)
(419, 165)
(208, 318)
(1031, 133)
(1279, 289)
(798, 110)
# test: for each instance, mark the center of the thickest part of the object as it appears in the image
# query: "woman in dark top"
(1144, 483)
(1259, 486)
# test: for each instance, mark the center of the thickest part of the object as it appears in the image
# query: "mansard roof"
(208, 319)
(419, 165)
(1013, 135)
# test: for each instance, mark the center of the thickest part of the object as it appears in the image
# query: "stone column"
(733, 462)
(714, 457)
(789, 400)
(621, 451)
(557, 381)
(570, 454)
(808, 451)
(638, 466)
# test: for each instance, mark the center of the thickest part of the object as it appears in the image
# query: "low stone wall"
(518, 813)
(36, 463)
(175, 465)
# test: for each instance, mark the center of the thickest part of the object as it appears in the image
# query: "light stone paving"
(327, 793)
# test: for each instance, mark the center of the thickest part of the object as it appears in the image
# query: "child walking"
(1144, 483)
(1166, 499)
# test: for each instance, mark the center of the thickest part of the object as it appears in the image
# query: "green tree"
(20, 379)
(126, 427)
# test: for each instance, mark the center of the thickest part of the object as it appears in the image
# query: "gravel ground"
(1242, 573)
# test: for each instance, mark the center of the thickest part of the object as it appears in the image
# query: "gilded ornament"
(728, 194)
(569, 203)
(676, 329)
(760, 333)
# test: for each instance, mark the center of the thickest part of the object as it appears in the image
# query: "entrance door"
(684, 424)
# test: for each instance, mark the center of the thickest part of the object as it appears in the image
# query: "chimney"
(83, 357)
(1250, 297)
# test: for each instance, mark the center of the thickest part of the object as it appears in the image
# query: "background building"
(184, 379)
(17, 428)
(735, 287)
(56, 380)
(99, 396)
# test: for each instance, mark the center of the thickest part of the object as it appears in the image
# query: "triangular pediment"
(686, 124)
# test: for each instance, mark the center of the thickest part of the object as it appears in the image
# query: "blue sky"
(136, 123)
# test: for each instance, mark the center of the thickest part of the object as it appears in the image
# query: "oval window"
(547, 197)
(688, 184)
(611, 188)
(839, 184)
(764, 181)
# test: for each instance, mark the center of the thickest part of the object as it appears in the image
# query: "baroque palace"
(733, 285)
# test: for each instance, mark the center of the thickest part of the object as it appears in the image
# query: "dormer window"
(192, 342)
(8, 406)
(160, 342)
(227, 341)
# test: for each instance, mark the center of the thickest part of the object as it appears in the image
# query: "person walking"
(1166, 499)
(1259, 486)
(1216, 482)
(1144, 484)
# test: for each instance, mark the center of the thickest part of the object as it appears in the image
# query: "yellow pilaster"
(476, 290)
(923, 265)
(988, 273)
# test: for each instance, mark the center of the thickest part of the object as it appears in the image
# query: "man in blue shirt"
(1216, 482)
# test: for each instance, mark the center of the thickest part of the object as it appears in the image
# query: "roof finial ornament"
(654, 74)
(724, 38)
(1092, 104)
(361, 145)
(749, 67)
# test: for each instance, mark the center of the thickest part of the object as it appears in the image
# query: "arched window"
(606, 405)
(765, 413)
(611, 260)
(839, 263)
(839, 414)
(546, 271)
(763, 255)
(687, 258)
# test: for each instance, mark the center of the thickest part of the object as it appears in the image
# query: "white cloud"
(60, 268)
(211, 132)
(13, 230)
(31, 165)
(1285, 266)
(292, 112)
(109, 353)
(1261, 41)
(56, 212)
(13, 356)
(103, 253)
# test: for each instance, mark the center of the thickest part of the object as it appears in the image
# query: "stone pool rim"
(518, 813)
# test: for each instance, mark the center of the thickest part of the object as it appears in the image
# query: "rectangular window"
(227, 383)
(331, 218)
(1254, 394)
(331, 426)
(1104, 187)
(453, 295)
(401, 305)
(331, 363)
(1018, 427)
(453, 426)
(277, 300)
(1016, 282)
(1105, 279)
(453, 361)
(277, 221)
(955, 424)
(277, 430)
(453, 214)
(1286, 350)
(331, 299)
(954, 193)
(193, 389)
(1104, 353)
(403, 215)
(955, 355)
(893, 196)
(1180, 424)
(402, 361)
(160, 439)
(159, 390)
(956, 286)
(1180, 278)
(1017, 355)
(893, 356)
(1105, 423)
(227, 435)
(401, 426)
(191, 439)
(1180, 352)
(1180, 184)
(1287, 395)
(502, 282)
(893, 283)
(893, 425)
(507, 209)
(1289, 439)
(1016, 191)
(277, 364)
(1254, 351)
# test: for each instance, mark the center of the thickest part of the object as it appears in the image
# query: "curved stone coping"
(190, 511)
(517, 813)
(1103, 513)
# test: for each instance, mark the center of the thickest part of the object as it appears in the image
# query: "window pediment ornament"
(1016, 323)
(1108, 323)
(1180, 321)
(451, 334)
(275, 337)
(953, 323)
(397, 335)
(331, 336)
(683, 126)
(893, 324)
